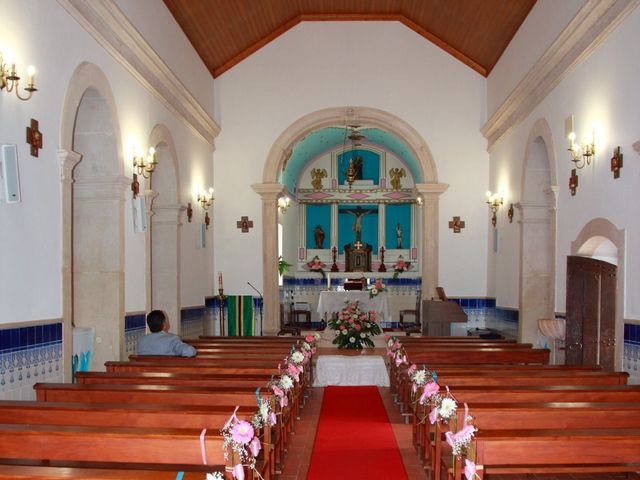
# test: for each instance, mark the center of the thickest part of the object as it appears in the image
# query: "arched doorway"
(537, 233)
(164, 229)
(270, 189)
(93, 196)
(599, 249)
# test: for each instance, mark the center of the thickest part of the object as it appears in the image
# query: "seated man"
(160, 341)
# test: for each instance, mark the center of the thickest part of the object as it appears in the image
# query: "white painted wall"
(44, 34)
(373, 64)
(545, 22)
(601, 92)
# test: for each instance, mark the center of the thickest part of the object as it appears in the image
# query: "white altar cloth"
(333, 302)
(350, 370)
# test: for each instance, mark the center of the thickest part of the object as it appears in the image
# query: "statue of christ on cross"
(358, 213)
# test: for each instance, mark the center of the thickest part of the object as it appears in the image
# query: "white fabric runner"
(332, 302)
(350, 370)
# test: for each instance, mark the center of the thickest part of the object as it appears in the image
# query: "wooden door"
(591, 299)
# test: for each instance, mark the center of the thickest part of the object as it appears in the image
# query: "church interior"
(464, 169)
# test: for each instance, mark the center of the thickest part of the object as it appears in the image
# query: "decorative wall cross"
(573, 182)
(456, 224)
(616, 163)
(244, 224)
(34, 137)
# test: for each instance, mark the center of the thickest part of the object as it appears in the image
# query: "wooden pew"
(536, 416)
(151, 366)
(47, 472)
(167, 394)
(577, 451)
(119, 414)
(115, 445)
(178, 379)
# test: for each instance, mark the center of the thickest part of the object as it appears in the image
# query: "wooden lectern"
(438, 315)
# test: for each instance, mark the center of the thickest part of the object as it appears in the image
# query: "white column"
(431, 197)
(269, 193)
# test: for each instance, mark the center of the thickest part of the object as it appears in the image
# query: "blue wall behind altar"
(318, 215)
(369, 227)
(370, 165)
(397, 213)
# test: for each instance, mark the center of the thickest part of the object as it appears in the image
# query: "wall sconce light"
(145, 166)
(581, 156)
(9, 79)
(419, 200)
(205, 199)
(283, 204)
(494, 200)
(510, 213)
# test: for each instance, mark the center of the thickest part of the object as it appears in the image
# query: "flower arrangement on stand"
(377, 288)
(316, 265)
(400, 266)
(354, 327)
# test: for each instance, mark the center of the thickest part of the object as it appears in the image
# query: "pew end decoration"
(377, 288)
(462, 446)
(354, 327)
(241, 446)
(400, 266)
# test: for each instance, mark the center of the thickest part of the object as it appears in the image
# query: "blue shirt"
(163, 343)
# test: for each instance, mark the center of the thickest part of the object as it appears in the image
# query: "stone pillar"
(98, 262)
(536, 268)
(165, 262)
(269, 193)
(430, 193)
(68, 160)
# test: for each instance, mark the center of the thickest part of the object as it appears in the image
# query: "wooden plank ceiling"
(224, 32)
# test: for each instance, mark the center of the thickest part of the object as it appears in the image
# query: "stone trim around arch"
(161, 134)
(269, 191)
(540, 129)
(327, 117)
(601, 227)
(86, 76)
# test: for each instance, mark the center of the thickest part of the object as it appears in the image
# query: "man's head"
(157, 321)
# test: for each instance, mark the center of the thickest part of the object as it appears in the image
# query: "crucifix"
(358, 244)
(358, 213)
(456, 224)
(573, 182)
(244, 224)
(34, 137)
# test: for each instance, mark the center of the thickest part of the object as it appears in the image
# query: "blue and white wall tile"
(631, 360)
(29, 355)
(192, 322)
(134, 328)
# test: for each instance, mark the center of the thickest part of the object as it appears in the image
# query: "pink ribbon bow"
(469, 469)
(255, 447)
(429, 390)
(433, 416)
(277, 391)
(412, 369)
(238, 471)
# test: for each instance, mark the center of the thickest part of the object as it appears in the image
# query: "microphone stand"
(261, 306)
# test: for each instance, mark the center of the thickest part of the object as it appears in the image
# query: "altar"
(347, 370)
(332, 302)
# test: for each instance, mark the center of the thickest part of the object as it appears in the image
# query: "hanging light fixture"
(354, 169)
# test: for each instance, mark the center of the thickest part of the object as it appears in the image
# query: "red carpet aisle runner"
(354, 438)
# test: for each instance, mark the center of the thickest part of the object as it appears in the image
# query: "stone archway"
(93, 194)
(163, 247)
(269, 191)
(537, 232)
(589, 241)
